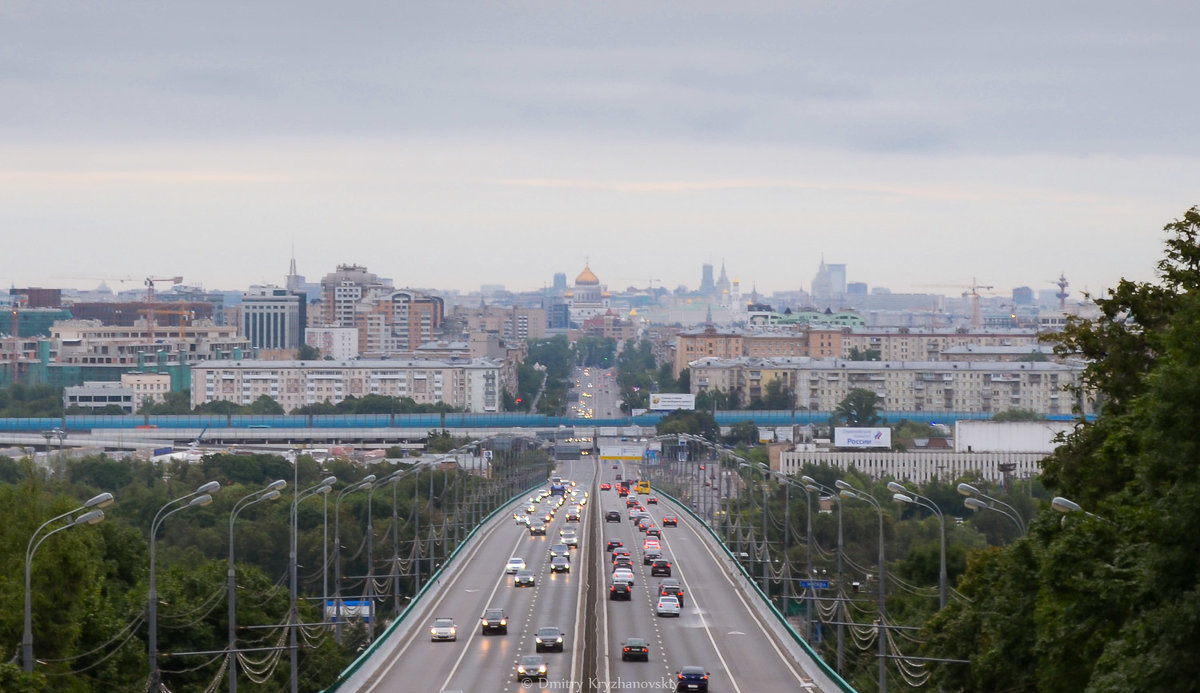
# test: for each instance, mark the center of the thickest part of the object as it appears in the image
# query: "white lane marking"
(457, 574)
(786, 659)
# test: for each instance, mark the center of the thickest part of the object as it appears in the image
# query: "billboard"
(670, 401)
(862, 438)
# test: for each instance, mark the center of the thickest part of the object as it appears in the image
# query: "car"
(493, 620)
(692, 678)
(622, 562)
(618, 476)
(524, 578)
(635, 648)
(560, 550)
(623, 574)
(549, 638)
(630, 502)
(620, 552)
(653, 531)
(652, 500)
(606, 487)
(622, 492)
(560, 564)
(522, 520)
(649, 556)
(660, 566)
(537, 527)
(514, 564)
(548, 517)
(612, 516)
(531, 509)
(667, 606)
(572, 516)
(532, 667)
(443, 629)
(644, 524)
(670, 521)
(613, 544)
(570, 538)
(671, 588)
(620, 590)
(651, 543)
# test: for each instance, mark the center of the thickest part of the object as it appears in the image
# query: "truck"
(558, 487)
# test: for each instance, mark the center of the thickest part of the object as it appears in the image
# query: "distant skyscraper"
(1022, 296)
(560, 282)
(829, 286)
(707, 287)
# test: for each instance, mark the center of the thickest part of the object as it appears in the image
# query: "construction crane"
(972, 291)
(186, 317)
(150, 281)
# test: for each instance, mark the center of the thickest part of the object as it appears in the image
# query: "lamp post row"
(91, 512)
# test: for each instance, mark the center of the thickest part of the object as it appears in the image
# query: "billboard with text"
(862, 438)
(670, 401)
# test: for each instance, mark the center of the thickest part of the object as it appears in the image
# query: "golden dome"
(587, 278)
(605, 294)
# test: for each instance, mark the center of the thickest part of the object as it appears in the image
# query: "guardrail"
(430, 584)
(799, 640)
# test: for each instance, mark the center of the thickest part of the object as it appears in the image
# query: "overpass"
(725, 625)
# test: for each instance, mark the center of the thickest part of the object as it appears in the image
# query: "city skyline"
(479, 144)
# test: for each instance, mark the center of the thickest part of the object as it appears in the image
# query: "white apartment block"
(338, 343)
(901, 344)
(147, 386)
(472, 385)
(903, 386)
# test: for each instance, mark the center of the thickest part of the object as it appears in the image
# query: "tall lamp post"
(848, 491)
(271, 492)
(337, 550)
(198, 498)
(973, 493)
(901, 494)
(812, 485)
(95, 514)
(293, 611)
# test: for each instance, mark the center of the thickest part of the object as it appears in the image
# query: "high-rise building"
(274, 318)
(343, 289)
(707, 287)
(560, 282)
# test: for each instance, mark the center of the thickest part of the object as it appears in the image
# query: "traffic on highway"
(631, 603)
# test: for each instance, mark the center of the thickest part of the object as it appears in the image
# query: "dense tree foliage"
(859, 408)
(90, 583)
(1105, 601)
(31, 401)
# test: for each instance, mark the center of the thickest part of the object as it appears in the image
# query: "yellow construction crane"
(150, 281)
(972, 290)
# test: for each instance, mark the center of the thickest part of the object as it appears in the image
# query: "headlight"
(560, 639)
(433, 631)
(542, 670)
(538, 640)
(504, 621)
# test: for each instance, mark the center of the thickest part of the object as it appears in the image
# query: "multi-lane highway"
(718, 628)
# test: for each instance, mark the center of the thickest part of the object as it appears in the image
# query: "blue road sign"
(815, 584)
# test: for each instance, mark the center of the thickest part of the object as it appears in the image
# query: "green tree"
(865, 354)
(308, 352)
(1100, 602)
(1017, 415)
(860, 408)
(743, 432)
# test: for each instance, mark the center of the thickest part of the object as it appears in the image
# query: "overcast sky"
(454, 144)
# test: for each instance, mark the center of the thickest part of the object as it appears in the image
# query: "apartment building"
(472, 385)
(903, 386)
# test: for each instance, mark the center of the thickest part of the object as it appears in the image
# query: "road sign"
(814, 584)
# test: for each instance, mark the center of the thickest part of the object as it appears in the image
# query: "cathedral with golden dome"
(588, 298)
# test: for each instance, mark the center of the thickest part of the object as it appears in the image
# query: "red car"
(605, 487)
(670, 521)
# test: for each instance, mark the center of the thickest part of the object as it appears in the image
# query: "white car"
(623, 574)
(667, 606)
(514, 564)
(443, 629)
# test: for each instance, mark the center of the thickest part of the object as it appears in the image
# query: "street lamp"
(94, 505)
(271, 492)
(337, 550)
(902, 495)
(200, 497)
(848, 491)
(812, 485)
(970, 491)
(293, 612)
(1064, 505)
